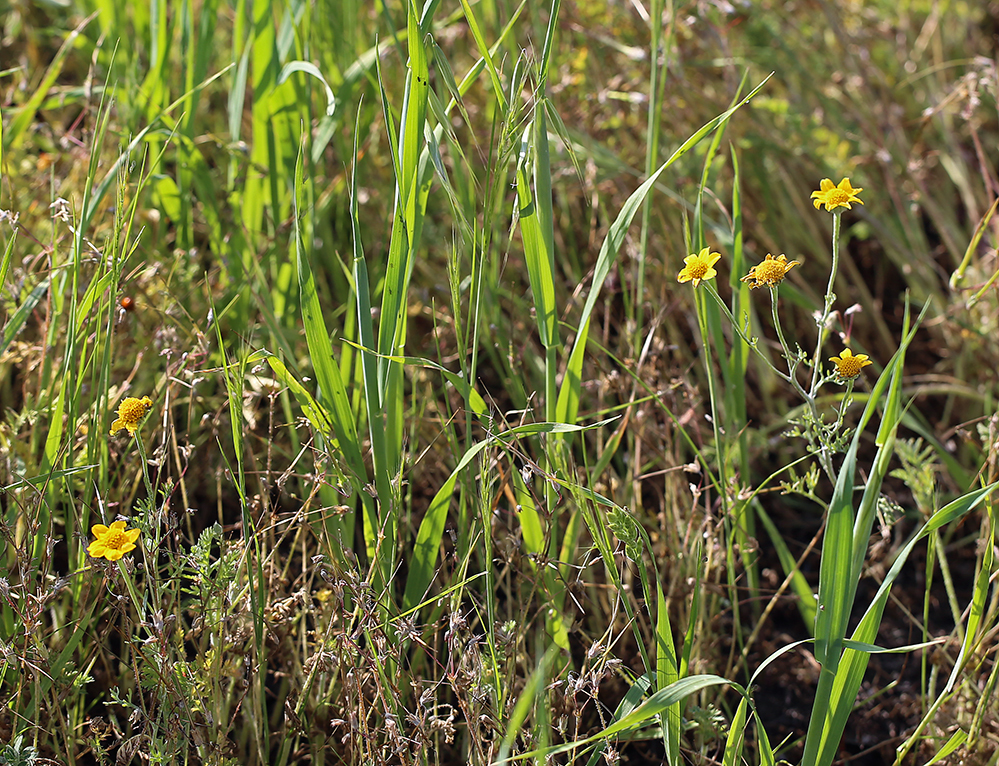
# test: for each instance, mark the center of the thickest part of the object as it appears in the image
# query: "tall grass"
(444, 464)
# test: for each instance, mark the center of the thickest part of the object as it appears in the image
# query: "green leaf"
(311, 69)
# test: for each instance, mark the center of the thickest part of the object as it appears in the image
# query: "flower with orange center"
(112, 542)
(699, 266)
(770, 272)
(849, 366)
(130, 414)
(833, 196)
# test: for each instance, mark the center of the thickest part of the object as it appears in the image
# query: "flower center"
(769, 272)
(698, 269)
(849, 367)
(837, 197)
(133, 411)
(114, 539)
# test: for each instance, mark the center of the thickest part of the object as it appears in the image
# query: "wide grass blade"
(332, 391)
(653, 706)
(568, 398)
(846, 536)
(428, 539)
(850, 672)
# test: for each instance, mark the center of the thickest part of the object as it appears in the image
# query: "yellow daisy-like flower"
(849, 366)
(833, 196)
(770, 272)
(112, 542)
(130, 413)
(699, 266)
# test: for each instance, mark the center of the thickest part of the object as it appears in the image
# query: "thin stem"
(843, 404)
(792, 363)
(702, 323)
(830, 299)
(752, 343)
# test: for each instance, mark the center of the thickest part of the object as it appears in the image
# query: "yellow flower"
(698, 267)
(836, 196)
(112, 542)
(130, 413)
(770, 273)
(849, 366)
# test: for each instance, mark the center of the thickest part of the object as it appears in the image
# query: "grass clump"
(446, 424)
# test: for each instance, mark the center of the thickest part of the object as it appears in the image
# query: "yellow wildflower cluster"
(773, 269)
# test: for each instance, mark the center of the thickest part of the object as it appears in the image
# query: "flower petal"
(98, 530)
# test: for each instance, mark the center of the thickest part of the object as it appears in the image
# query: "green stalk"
(830, 299)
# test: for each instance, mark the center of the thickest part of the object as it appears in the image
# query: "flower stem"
(702, 323)
(738, 330)
(830, 299)
(809, 397)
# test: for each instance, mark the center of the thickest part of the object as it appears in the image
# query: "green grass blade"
(310, 69)
(486, 54)
(568, 399)
(17, 320)
(25, 116)
(653, 706)
(736, 736)
(838, 572)
(851, 669)
(428, 537)
(534, 215)
(978, 599)
(331, 387)
(667, 674)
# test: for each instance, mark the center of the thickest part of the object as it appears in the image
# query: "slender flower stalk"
(808, 396)
(830, 299)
